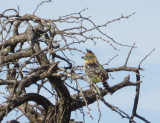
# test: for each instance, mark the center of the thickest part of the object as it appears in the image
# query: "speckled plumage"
(94, 70)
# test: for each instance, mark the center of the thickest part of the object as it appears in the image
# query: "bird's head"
(89, 57)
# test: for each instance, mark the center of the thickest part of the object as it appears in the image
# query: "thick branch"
(7, 82)
(21, 100)
(134, 111)
(63, 111)
(123, 68)
(19, 55)
(91, 97)
(14, 40)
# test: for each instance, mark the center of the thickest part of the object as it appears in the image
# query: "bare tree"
(34, 51)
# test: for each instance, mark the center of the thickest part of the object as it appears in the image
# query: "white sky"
(142, 28)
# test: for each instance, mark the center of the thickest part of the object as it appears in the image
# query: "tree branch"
(21, 100)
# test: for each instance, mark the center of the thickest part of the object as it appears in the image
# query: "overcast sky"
(142, 28)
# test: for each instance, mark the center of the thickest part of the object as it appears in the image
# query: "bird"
(94, 70)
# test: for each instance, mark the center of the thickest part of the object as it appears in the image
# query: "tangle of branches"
(34, 51)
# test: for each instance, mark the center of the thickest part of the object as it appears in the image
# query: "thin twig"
(40, 5)
(97, 27)
(142, 118)
(129, 55)
(116, 109)
(145, 57)
(99, 110)
(84, 98)
(110, 60)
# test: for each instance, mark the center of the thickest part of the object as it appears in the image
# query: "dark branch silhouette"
(36, 52)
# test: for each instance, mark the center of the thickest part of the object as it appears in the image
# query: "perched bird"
(94, 70)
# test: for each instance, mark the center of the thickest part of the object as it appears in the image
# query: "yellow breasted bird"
(94, 70)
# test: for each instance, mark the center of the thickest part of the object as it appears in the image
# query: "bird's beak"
(82, 57)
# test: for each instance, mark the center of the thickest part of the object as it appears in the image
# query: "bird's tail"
(107, 87)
